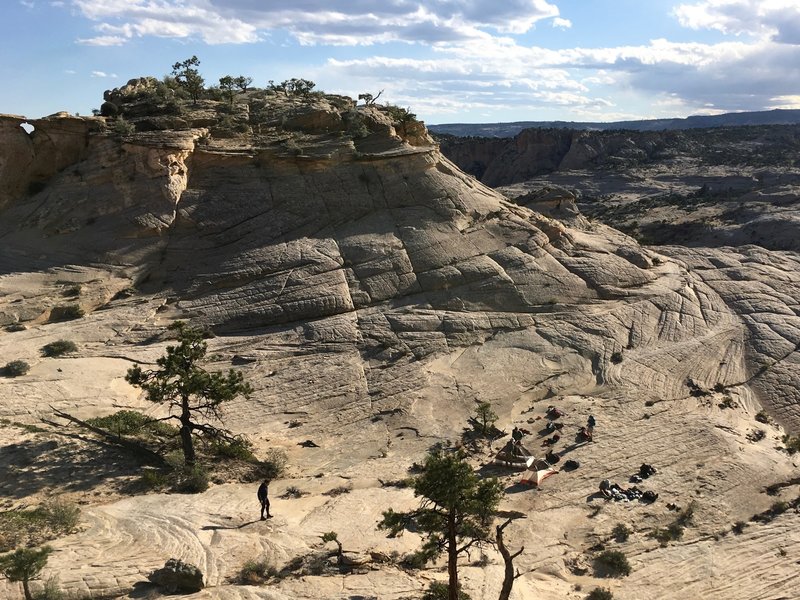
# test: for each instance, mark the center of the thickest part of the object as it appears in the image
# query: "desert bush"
(616, 358)
(58, 348)
(153, 479)
(16, 327)
(339, 490)
(61, 516)
(293, 492)
(73, 290)
(239, 448)
(738, 527)
(16, 368)
(255, 572)
(190, 479)
(35, 526)
(600, 594)
(439, 590)
(67, 312)
(612, 563)
(274, 464)
(123, 127)
(399, 114)
(416, 560)
(621, 532)
(671, 533)
(131, 422)
(792, 444)
(762, 417)
(51, 590)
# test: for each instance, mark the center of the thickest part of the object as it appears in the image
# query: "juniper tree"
(455, 510)
(228, 84)
(188, 77)
(188, 389)
(23, 565)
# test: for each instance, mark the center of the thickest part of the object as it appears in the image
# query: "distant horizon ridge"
(776, 116)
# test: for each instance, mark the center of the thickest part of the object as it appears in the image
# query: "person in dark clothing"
(263, 498)
(516, 435)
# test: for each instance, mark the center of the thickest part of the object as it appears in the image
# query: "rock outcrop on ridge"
(378, 292)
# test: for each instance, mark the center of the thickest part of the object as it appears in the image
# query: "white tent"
(538, 470)
(512, 455)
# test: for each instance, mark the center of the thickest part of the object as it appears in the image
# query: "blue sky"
(449, 60)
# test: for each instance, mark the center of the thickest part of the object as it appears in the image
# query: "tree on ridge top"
(188, 77)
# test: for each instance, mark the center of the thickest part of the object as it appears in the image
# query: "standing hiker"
(263, 498)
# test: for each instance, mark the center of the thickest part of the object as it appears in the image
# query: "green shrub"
(416, 560)
(240, 448)
(73, 290)
(673, 532)
(61, 516)
(123, 127)
(439, 590)
(124, 422)
(399, 114)
(738, 527)
(293, 492)
(16, 327)
(58, 348)
(274, 464)
(51, 590)
(153, 479)
(131, 422)
(621, 532)
(67, 312)
(16, 368)
(339, 490)
(763, 417)
(792, 444)
(612, 563)
(191, 480)
(616, 358)
(600, 594)
(255, 572)
(35, 526)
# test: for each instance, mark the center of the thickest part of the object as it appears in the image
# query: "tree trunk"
(452, 557)
(508, 560)
(26, 589)
(187, 443)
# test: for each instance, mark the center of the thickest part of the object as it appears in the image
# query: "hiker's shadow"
(595, 496)
(218, 527)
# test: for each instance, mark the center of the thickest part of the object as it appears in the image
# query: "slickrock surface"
(377, 292)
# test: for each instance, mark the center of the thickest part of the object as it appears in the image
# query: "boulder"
(177, 576)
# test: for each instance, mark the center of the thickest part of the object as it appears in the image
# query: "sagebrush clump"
(16, 368)
(58, 348)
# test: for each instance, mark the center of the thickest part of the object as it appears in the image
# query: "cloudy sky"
(449, 60)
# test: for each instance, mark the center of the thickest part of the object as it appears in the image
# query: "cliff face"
(534, 152)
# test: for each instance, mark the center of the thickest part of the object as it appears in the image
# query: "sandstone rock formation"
(377, 293)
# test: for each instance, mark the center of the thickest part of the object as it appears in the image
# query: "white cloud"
(778, 20)
(728, 76)
(70, 72)
(785, 102)
(103, 40)
(345, 22)
(562, 23)
(103, 74)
